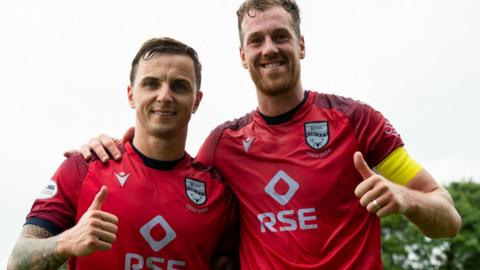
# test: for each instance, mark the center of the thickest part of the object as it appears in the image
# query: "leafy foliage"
(404, 246)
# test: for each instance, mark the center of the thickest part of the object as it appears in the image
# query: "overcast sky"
(65, 65)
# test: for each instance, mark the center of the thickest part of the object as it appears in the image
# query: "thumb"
(362, 166)
(99, 198)
(128, 135)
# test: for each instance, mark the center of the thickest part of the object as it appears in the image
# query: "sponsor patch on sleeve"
(48, 191)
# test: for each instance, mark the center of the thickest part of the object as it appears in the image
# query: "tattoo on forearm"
(35, 231)
(35, 249)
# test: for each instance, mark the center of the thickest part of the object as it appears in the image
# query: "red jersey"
(167, 219)
(295, 182)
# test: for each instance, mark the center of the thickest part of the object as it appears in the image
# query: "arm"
(226, 254)
(423, 201)
(36, 248)
(430, 207)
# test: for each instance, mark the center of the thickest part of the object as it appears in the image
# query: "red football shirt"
(295, 178)
(167, 219)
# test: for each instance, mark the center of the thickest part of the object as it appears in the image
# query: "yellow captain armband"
(398, 167)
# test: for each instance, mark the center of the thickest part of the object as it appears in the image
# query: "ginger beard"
(276, 80)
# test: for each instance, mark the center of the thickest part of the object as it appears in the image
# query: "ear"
(243, 58)
(302, 47)
(198, 98)
(130, 97)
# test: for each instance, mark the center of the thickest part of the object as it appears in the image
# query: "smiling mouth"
(164, 113)
(273, 65)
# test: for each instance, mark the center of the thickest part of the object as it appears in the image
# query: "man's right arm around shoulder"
(104, 146)
(37, 248)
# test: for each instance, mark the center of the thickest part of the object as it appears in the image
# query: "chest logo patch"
(196, 191)
(317, 134)
(247, 143)
(122, 178)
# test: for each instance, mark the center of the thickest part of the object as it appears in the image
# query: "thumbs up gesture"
(377, 194)
(96, 230)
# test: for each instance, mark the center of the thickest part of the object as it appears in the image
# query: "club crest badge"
(316, 134)
(196, 191)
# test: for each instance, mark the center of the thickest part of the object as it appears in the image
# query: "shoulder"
(78, 165)
(346, 105)
(75, 167)
(207, 152)
(357, 112)
(54, 208)
(234, 124)
(72, 173)
(200, 167)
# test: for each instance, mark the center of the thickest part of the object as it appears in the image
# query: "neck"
(273, 105)
(160, 148)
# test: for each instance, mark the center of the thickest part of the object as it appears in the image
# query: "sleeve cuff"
(46, 224)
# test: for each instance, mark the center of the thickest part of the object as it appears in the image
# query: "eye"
(254, 41)
(180, 86)
(281, 37)
(151, 84)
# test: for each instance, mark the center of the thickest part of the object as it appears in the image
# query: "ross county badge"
(196, 191)
(316, 134)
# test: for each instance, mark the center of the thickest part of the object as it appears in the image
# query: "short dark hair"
(166, 45)
(250, 6)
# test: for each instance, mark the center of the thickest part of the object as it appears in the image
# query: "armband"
(398, 167)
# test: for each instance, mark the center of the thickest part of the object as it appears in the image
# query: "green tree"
(404, 247)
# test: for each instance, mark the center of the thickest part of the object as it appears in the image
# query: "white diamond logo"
(292, 187)
(122, 177)
(146, 229)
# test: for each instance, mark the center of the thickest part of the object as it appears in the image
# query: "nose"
(269, 47)
(164, 93)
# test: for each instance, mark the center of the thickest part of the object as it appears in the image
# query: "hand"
(390, 197)
(99, 145)
(96, 230)
(102, 146)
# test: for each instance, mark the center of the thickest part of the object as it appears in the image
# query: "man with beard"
(301, 164)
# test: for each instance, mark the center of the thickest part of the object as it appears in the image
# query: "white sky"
(65, 65)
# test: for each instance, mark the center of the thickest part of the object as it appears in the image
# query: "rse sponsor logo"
(137, 262)
(286, 220)
(134, 261)
(292, 187)
(146, 229)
